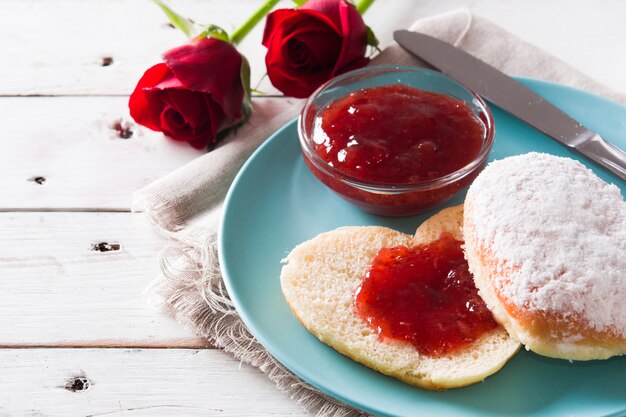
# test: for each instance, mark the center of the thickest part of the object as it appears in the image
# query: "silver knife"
(513, 97)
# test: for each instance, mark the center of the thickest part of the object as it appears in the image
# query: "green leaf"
(252, 21)
(185, 25)
(214, 32)
(363, 5)
(245, 81)
(299, 2)
(372, 40)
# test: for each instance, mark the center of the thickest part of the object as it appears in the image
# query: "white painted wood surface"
(71, 142)
(56, 47)
(55, 292)
(137, 383)
(64, 293)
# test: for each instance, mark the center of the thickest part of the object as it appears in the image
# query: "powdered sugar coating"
(563, 232)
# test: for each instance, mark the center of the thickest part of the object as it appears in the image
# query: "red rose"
(194, 94)
(308, 46)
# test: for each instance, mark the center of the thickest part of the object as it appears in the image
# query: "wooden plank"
(61, 153)
(138, 383)
(79, 34)
(58, 291)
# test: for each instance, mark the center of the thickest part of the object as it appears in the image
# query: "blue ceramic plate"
(276, 203)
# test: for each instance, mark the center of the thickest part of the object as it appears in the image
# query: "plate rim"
(296, 368)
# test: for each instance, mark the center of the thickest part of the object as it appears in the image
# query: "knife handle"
(605, 154)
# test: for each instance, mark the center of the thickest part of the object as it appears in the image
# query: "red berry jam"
(425, 296)
(396, 134)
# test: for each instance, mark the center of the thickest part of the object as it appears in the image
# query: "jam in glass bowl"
(395, 141)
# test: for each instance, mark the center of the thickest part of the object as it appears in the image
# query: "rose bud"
(308, 46)
(194, 94)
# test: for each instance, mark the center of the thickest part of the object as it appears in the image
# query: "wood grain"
(65, 153)
(130, 34)
(135, 382)
(58, 291)
(57, 47)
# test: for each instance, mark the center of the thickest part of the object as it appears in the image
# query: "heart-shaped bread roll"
(319, 281)
(545, 239)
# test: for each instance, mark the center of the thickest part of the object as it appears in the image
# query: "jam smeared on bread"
(424, 295)
(319, 279)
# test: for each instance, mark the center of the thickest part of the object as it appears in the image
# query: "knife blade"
(513, 97)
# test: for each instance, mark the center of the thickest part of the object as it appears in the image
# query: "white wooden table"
(78, 336)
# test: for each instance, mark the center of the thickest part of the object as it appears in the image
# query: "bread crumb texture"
(319, 280)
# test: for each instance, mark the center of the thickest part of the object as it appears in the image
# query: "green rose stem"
(363, 5)
(256, 17)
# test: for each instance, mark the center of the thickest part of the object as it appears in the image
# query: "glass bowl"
(387, 199)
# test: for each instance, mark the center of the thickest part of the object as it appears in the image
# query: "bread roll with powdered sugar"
(545, 239)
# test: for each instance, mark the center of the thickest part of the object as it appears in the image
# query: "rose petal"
(201, 142)
(296, 84)
(174, 125)
(216, 119)
(308, 46)
(210, 66)
(280, 23)
(278, 19)
(352, 27)
(189, 104)
(191, 117)
(145, 111)
(328, 8)
(322, 46)
(295, 80)
(355, 38)
(176, 121)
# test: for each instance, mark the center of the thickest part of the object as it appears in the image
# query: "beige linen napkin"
(191, 287)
